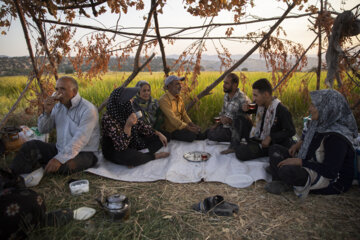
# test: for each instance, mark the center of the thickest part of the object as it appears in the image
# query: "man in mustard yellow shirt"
(176, 120)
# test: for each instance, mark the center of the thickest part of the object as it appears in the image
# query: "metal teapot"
(12, 139)
(117, 206)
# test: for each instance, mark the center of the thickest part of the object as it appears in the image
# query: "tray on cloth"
(197, 156)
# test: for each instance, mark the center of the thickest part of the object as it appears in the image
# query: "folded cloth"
(216, 205)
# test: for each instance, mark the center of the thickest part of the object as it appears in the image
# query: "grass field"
(162, 210)
(202, 113)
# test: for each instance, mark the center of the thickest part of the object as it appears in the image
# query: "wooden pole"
(295, 65)
(27, 39)
(318, 71)
(161, 45)
(4, 120)
(238, 63)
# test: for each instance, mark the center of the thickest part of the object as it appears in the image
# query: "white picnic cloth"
(219, 168)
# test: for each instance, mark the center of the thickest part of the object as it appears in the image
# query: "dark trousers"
(250, 150)
(241, 129)
(34, 154)
(187, 136)
(292, 175)
(131, 156)
(219, 134)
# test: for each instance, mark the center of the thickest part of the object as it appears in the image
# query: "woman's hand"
(290, 161)
(295, 148)
(131, 121)
(162, 138)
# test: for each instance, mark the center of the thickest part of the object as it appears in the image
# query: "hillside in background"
(11, 66)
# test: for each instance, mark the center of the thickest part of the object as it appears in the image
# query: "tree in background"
(50, 31)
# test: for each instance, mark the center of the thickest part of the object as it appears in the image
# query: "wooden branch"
(4, 120)
(295, 65)
(44, 43)
(137, 68)
(161, 45)
(130, 78)
(168, 36)
(318, 71)
(77, 6)
(216, 82)
(146, 27)
(27, 39)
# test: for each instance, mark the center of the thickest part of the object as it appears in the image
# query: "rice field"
(97, 90)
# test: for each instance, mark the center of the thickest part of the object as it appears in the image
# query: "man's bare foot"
(161, 155)
(227, 151)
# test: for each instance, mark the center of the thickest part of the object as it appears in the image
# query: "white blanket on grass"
(219, 168)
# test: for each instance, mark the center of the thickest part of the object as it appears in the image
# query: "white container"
(79, 186)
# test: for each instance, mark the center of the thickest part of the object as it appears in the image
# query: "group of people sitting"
(321, 162)
(322, 159)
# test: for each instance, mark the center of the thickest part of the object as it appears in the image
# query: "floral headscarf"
(334, 116)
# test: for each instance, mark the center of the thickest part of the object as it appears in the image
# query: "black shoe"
(59, 218)
(217, 206)
(277, 187)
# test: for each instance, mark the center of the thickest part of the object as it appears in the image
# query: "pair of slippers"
(216, 205)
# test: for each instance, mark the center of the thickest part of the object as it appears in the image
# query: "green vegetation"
(98, 90)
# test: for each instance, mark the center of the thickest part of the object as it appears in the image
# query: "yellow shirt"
(174, 111)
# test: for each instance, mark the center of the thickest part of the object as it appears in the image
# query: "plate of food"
(197, 156)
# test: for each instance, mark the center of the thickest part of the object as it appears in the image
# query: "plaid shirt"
(232, 105)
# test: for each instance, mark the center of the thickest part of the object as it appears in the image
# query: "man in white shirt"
(77, 127)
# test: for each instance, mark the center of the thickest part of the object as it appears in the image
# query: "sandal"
(217, 206)
(58, 218)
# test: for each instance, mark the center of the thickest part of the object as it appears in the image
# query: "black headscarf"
(119, 106)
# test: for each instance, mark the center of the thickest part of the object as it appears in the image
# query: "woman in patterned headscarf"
(325, 162)
(123, 135)
(148, 106)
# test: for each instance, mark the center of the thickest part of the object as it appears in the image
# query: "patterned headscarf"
(119, 107)
(334, 116)
(148, 108)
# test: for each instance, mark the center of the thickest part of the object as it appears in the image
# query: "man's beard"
(227, 90)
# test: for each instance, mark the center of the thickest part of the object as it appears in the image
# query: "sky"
(13, 44)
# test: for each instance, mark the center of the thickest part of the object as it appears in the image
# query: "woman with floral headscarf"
(325, 161)
(123, 135)
(148, 106)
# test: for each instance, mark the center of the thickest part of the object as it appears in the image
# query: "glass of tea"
(252, 106)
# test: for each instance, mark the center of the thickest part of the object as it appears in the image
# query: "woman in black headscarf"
(123, 135)
(325, 162)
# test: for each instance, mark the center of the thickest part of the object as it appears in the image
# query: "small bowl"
(79, 186)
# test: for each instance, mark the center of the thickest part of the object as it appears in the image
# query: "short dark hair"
(234, 78)
(263, 85)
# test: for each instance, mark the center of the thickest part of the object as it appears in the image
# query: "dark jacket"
(283, 127)
(338, 162)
